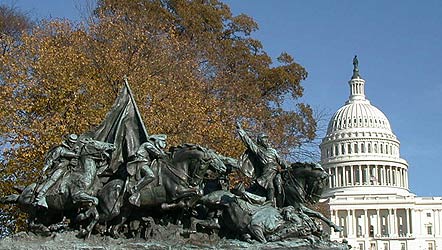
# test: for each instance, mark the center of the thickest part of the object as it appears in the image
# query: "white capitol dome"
(360, 150)
(359, 114)
(368, 190)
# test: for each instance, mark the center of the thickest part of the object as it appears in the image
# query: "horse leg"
(313, 213)
(82, 197)
(124, 215)
(185, 192)
(167, 206)
(92, 213)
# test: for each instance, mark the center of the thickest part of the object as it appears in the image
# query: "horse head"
(96, 149)
(198, 161)
(309, 179)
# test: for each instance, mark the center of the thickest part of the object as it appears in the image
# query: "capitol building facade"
(368, 190)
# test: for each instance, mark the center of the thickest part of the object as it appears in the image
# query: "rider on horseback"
(57, 160)
(140, 173)
(267, 158)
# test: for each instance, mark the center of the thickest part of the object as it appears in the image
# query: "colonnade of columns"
(364, 223)
(357, 175)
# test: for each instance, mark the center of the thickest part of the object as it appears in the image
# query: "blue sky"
(399, 46)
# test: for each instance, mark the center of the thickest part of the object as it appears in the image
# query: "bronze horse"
(178, 183)
(303, 183)
(76, 189)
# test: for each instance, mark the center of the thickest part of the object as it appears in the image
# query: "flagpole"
(135, 105)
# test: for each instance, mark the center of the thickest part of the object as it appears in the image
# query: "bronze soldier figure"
(140, 173)
(267, 158)
(57, 160)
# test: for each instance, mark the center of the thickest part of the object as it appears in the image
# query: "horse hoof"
(83, 233)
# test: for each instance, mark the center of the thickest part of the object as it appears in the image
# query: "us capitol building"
(368, 190)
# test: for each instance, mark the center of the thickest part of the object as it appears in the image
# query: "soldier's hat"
(72, 138)
(263, 135)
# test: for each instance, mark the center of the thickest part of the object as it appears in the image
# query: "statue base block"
(68, 240)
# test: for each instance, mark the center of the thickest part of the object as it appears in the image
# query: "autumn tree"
(13, 23)
(194, 69)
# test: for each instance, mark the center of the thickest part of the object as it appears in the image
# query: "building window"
(429, 230)
(430, 246)
(342, 149)
(428, 214)
(369, 148)
(356, 148)
(349, 148)
(386, 246)
(362, 148)
(403, 246)
(371, 231)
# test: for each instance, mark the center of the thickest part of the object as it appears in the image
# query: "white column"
(408, 215)
(393, 173)
(406, 179)
(354, 222)
(352, 175)
(376, 168)
(336, 177)
(344, 176)
(339, 176)
(384, 175)
(365, 231)
(403, 178)
(390, 175)
(329, 178)
(418, 221)
(378, 222)
(395, 222)
(367, 174)
(349, 223)
(390, 222)
(439, 222)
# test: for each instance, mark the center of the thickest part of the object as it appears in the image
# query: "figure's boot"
(134, 199)
(40, 199)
